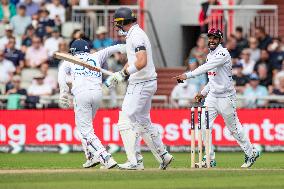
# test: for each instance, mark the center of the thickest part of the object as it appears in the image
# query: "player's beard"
(212, 46)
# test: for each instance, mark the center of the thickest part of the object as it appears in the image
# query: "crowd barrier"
(265, 127)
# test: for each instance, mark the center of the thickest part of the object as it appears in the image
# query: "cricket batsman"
(221, 95)
(87, 91)
(134, 118)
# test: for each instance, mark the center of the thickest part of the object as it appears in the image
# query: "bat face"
(75, 60)
(78, 61)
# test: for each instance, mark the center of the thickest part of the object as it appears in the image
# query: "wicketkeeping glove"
(64, 100)
(199, 98)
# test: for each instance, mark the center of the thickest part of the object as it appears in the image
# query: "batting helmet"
(215, 32)
(123, 16)
(79, 46)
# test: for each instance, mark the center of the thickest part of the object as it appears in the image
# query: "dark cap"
(237, 65)
(253, 77)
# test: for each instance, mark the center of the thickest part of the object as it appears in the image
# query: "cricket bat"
(78, 61)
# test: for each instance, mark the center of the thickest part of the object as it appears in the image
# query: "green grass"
(268, 172)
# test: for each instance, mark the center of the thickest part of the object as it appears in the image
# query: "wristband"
(132, 69)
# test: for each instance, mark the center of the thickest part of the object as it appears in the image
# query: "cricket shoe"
(167, 159)
(213, 163)
(249, 161)
(129, 166)
(91, 163)
(110, 163)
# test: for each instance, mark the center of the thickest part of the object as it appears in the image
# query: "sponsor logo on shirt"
(212, 73)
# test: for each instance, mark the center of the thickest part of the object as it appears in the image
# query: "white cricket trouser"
(137, 101)
(137, 106)
(86, 104)
(227, 108)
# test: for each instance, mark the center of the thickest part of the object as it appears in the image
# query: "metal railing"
(92, 17)
(227, 17)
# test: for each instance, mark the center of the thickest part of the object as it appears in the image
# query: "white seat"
(69, 27)
(27, 75)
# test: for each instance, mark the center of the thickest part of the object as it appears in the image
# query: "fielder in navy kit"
(87, 91)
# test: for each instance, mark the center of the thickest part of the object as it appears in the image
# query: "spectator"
(5, 39)
(204, 16)
(15, 92)
(276, 53)
(7, 69)
(254, 91)
(264, 59)
(57, 11)
(102, 41)
(62, 47)
(199, 81)
(20, 22)
(14, 87)
(27, 38)
(254, 50)
(121, 39)
(78, 34)
(39, 88)
(36, 54)
(69, 8)
(231, 45)
(183, 94)
(31, 7)
(265, 79)
(247, 63)
(45, 24)
(242, 42)
(200, 51)
(278, 75)
(52, 44)
(263, 39)
(14, 55)
(239, 78)
(48, 79)
(7, 11)
(279, 90)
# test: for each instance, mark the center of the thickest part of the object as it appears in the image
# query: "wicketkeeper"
(221, 95)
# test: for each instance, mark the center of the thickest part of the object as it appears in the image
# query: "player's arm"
(219, 60)
(63, 70)
(141, 61)
(107, 52)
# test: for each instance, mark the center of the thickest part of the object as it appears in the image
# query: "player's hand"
(64, 100)
(198, 98)
(180, 78)
(114, 79)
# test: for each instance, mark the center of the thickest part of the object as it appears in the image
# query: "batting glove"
(64, 100)
(116, 78)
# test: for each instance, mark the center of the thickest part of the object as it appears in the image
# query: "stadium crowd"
(30, 33)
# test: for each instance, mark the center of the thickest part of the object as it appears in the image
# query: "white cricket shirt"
(219, 69)
(83, 78)
(135, 38)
